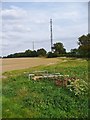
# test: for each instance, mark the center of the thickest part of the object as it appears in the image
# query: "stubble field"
(22, 63)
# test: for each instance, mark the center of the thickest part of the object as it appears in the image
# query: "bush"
(78, 87)
(52, 55)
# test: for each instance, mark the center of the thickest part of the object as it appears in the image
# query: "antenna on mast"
(51, 35)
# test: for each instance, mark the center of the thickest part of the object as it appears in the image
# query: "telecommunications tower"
(51, 35)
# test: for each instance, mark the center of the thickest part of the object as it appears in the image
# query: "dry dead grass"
(22, 63)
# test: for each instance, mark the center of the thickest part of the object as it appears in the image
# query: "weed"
(24, 98)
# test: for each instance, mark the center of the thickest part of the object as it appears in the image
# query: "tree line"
(59, 51)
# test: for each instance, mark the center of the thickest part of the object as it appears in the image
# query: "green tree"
(28, 53)
(59, 48)
(41, 52)
(73, 52)
(33, 53)
(52, 55)
(84, 45)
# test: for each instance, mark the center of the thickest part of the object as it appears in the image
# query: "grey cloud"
(33, 25)
(45, 1)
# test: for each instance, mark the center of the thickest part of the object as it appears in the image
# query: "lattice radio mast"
(51, 35)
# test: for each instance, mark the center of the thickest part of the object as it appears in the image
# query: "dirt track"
(22, 63)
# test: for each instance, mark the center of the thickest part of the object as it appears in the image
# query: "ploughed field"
(46, 97)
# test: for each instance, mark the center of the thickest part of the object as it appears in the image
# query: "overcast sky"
(45, 0)
(25, 22)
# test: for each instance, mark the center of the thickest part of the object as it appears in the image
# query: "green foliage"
(24, 98)
(84, 45)
(78, 87)
(59, 48)
(73, 53)
(52, 55)
(59, 51)
(41, 52)
(27, 53)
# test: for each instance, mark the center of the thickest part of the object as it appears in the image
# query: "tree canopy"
(41, 52)
(59, 50)
(84, 45)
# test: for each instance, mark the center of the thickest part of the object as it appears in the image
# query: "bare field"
(22, 63)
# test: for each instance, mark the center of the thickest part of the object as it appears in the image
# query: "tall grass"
(24, 98)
